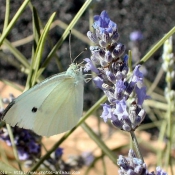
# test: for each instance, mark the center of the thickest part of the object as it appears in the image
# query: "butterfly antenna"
(85, 49)
(70, 51)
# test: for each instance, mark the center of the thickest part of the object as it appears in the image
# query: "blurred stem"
(13, 145)
(99, 142)
(170, 136)
(156, 81)
(104, 165)
(137, 149)
(67, 134)
(13, 21)
(20, 57)
(156, 46)
(7, 15)
(130, 61)
(160, 153)
(5, 169)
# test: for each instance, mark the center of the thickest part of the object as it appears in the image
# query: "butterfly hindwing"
(21, 111)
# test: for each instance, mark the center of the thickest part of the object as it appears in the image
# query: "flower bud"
(92, 37)
(118, 50)
(102, 43)
(115, 37)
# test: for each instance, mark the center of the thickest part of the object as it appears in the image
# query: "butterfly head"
(75, 71)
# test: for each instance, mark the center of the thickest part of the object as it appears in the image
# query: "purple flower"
(111, 77)
(136, 36)
(88, 158)
(120, 109)
(104, 24)
(159, 171)
(119, 89)
(137, 75)
(141, 95)
(131, 165)
(58, 152)
(106, 112)
(34, 148)
(90, 66)
(23, 155)
(98, 82)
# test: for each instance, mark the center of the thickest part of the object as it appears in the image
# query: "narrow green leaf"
(40, 47)
(7, 14)
(20, 57)
(13, 21)
(31, 79)
(36, 27)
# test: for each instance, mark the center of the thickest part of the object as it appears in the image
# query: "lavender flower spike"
(159, 171)
(111, 68)
(131, 165)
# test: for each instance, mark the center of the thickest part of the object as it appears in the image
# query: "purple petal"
(98, 82)
(90, 66)
(137, 75)
(103, 23)
(106, 112)
(120, 109)
(141, 95)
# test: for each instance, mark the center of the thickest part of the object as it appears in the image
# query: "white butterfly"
(50, 107)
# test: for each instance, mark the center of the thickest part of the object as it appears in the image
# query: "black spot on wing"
(34, 109)
(7, 108)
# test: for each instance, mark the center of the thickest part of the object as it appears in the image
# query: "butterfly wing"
(63, 112)
(47, 101)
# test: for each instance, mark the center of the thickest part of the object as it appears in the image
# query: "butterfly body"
(50, 107)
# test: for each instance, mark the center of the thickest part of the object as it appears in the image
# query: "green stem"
(13, 145)
(7, 14)
(170, 136)
(137, 149)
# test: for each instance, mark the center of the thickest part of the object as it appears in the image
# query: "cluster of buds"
(111, 69)
(169, 67)
(131, 165)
